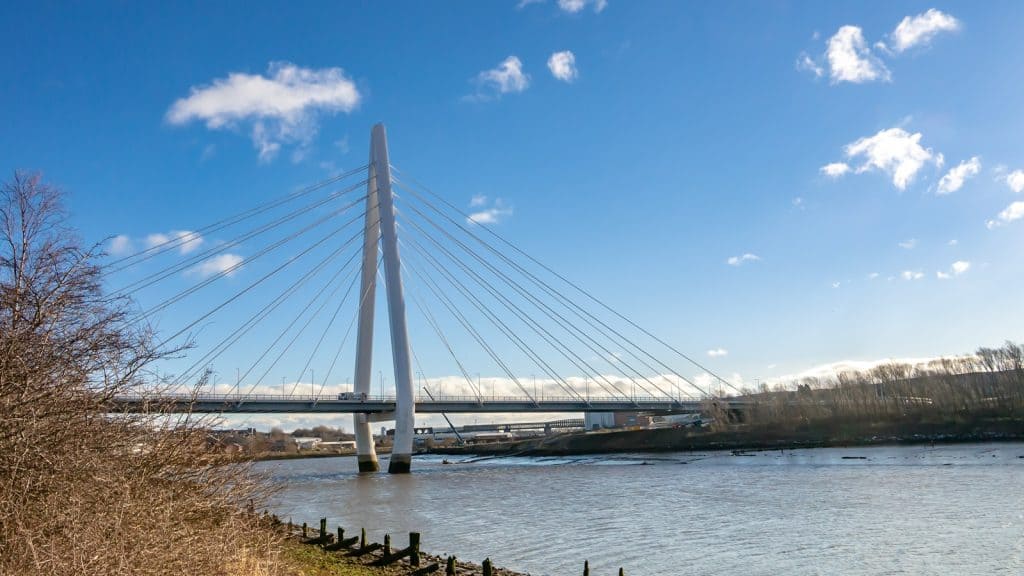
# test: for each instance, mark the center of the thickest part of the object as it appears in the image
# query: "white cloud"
(507, 77)
(718, 352)
(282, 105)
(908, 244)
(873, 276)
(574, 6)
(227, 263)
(894, 151)
(836, 284)
(1014, 211)
(740, 260)
(911, 275)
(851, 60)
(563, 65)
(953, 242)
(1015, 180)
(835, 169)
(833, 369)
(805, 63)
(921, 29)
(954, 179)
(489, 216)
(956, 269)
(120, 245)
(185, 240)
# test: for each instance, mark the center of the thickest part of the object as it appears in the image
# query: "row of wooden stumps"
(357, 546)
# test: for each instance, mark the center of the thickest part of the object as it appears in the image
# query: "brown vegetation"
(984, 387)
(83, 491)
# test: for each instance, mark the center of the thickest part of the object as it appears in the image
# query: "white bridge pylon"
(380, 225)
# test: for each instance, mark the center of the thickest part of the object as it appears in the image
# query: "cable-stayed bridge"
(314, 258)
(387, 405)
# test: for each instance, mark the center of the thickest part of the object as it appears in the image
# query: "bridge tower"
(380, 225)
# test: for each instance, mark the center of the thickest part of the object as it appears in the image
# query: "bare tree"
(83, 491)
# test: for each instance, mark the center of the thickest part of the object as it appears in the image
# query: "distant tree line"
(988, 384)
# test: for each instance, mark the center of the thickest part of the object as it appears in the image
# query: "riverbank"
(750, 438)
(262, 456)
(310, 557)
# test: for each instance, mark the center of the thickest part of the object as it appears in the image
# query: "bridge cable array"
(474, 295)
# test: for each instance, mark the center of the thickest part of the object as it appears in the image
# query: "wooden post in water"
(488, 569)
(341, 534)
(622, 572)
(323, 530)
(305, 530)
(387, 544)
(449, 568)
(586, 568)
(414, 548)
(362, 538)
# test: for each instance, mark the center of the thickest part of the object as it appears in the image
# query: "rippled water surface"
(883, 510)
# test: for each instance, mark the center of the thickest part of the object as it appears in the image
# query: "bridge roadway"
(287, 404)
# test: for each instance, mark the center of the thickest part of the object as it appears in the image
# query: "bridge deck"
(269, 404)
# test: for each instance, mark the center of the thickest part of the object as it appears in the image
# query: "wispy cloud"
(921, 29)
(282, 106)
(908, 244)
(718, 352)
(120, 245)
(742, 259)
(805, 63)
(957, 175)
(893, 151)
(494, 214)
(230, 264)
(185, 240)
(911, 275)
(508, 77)
(835, 169)
(524, 3)
(1013, 212)
(575, 6)
(563, 66)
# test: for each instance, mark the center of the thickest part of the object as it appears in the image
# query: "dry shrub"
(83, 491)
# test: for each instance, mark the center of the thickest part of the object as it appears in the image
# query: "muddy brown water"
(956, 509)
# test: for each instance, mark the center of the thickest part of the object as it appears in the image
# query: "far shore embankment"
(697, 440)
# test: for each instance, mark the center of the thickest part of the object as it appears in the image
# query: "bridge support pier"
(366, 454)
(380, 225)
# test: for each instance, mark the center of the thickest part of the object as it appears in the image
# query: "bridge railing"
(236, 398)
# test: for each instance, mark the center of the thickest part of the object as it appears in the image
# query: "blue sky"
(768, 186)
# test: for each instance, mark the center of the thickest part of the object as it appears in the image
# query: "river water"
(956, 509)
